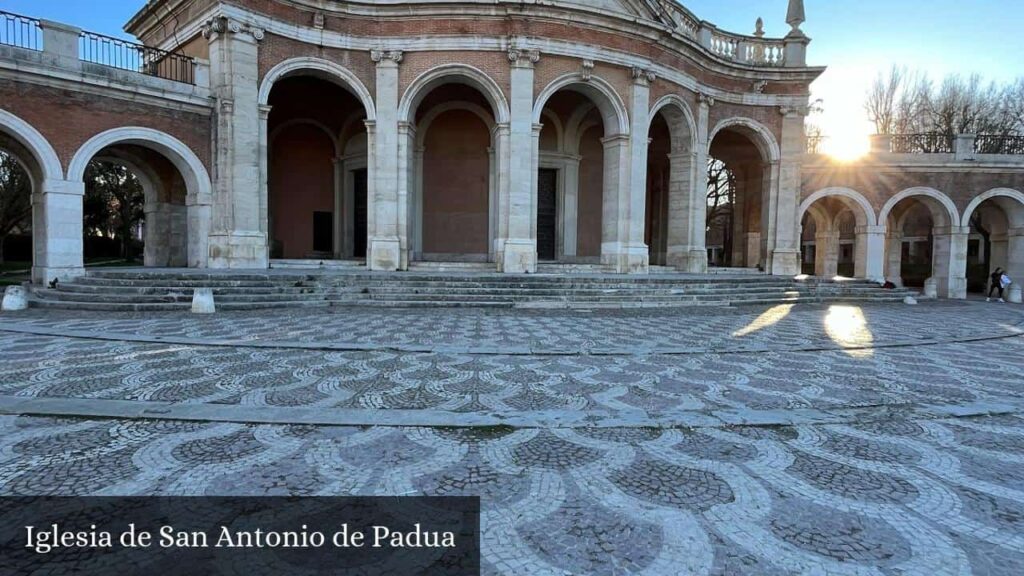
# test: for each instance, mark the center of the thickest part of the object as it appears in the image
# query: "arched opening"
(739, 185)
(176, 191)
(996, 223)
(925, 246)
(836, 234)
(454, 201)
(578, 185)
(135, 209)
(669, 231)
(317, 169)
(15, 214)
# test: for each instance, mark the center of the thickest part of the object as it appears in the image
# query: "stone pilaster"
(626, 212)
(384, 246)
(516, 244)
(870, 253)
(783, 233)
(894, 258)
(57, 217)
(826, 254)
(238, 235)
(1015, 254)
(949, 261)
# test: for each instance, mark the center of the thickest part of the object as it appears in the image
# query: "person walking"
(1000, 281)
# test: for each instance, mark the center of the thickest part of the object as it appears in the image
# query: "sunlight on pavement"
(771, 317)
(846, 326)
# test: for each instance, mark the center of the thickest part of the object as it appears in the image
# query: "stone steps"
(135, 290)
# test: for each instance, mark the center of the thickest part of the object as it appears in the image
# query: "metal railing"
(931, 143)
(20, 31)
(996, 144)
(117, 53)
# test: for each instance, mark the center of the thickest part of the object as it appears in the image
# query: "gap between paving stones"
(1011, 333)
(546, 419)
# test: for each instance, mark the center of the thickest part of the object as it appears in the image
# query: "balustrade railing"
(683, 19)
(117, 53)
(20, 31)
(931, 143)
(752, 50)
(995, 144)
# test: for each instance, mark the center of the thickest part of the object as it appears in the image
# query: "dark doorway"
(359, 206)
(547, 214)
(323, 232)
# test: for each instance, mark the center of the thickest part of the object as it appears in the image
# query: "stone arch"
(552, 119)
(428, 119)
(763, 137)
(1016, 217)
(458, 74)
(338, 151)
(599, 91)
(192, 170)
(851, 198)
(44, 154)
(320, 68)
(950, 215)
(679, 117)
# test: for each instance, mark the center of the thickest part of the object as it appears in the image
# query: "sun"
(846, 147)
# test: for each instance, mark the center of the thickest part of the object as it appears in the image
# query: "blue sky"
(855, 38)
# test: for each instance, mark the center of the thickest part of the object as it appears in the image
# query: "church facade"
(503, 132)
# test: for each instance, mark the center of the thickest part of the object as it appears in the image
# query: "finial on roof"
(759, 28)
(795, 16)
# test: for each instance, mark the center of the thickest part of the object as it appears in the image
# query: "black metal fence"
(931, 143)
(20, 31)
(993, 144)
(117, 53)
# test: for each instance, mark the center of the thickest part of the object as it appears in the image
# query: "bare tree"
(113, 202)
(15, 199)
(908, 102)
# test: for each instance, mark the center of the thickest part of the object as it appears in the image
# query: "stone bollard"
(1014, 294)
(202, 301)
(931, 288)
(910, 301)
(15, 298)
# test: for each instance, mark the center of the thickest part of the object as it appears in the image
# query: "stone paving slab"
(898, 450)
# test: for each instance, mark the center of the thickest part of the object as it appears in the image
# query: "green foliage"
(114, 203)
(15, 199)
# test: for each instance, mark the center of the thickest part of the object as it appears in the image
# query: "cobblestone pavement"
(876, 457)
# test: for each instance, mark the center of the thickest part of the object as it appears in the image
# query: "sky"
(856, 39)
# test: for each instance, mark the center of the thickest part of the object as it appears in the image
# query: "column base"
(518, 257)
(690, 260)
(785, 263)
(385, 254)
(626, 258)
(46, 274)
(239, 250)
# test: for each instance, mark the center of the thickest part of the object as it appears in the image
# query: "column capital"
(265, 111)
(523, 58)
(643, 76)
(220, 25)
(794, 111)
(387, 57)
(870, 230)
(618, 139)
(705, 100)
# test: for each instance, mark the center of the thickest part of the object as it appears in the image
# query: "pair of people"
(1000, 282)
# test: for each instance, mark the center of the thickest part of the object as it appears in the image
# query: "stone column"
(238, 236)
(570, 207)
(826, 254)
(949, 261)
(1014, 254)
(384, 246)
(783, 234)
(57, 223)
(681, 199)
(869, 258)
(698, 209)
(410, 166)
(516, 243)
(894, 258)
(625, 206)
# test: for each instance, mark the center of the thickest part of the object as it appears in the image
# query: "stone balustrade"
(939, 147)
